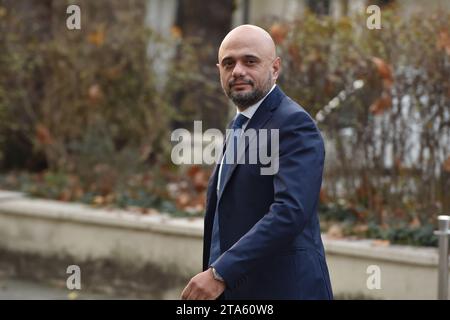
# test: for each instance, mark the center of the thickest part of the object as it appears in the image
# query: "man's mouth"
(239, 85)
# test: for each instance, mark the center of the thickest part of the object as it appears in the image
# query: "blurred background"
(86, 115)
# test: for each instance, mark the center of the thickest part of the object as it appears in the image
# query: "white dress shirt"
(249, 112)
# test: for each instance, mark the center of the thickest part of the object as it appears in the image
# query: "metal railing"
(443, 234)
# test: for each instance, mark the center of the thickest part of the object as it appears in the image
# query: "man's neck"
(255, 105)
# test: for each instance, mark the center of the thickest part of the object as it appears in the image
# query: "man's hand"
(203, 287)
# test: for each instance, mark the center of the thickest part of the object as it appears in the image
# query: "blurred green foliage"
(351, 222)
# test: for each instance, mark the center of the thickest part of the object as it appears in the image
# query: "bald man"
(262, 235)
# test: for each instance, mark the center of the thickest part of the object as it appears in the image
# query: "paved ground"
(17, 289)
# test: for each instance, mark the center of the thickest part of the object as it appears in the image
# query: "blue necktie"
(215, 236)
(231, 149)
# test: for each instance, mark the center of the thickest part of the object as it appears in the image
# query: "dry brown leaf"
(383, 68)
(65, 195)
(324, 198)
(278, 32)
(183, 200)
(361, 228)
(3, 12)
(95, 93)
(176, 32)
(200, 180)
(381, 104)
(43, 134)
(447, 165)
(152, 211)
(294, 52)
(97, 37)
(98, 200)
(415, 223)
(335, 231)
(443, 41)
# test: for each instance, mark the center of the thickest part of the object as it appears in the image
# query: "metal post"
(443, 233)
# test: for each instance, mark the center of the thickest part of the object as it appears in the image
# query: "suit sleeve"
(296, 191)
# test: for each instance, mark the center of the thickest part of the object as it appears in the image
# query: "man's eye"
(228, 64)
(251, 62)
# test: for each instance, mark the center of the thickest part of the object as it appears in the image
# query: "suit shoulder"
(296, 124)
(290, 112)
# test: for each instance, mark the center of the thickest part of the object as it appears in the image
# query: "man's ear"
(276, 68)
(218, 66)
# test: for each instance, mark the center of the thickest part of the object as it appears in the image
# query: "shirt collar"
(250, 111)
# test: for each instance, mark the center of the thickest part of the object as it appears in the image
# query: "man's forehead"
(241, 49)
(237, 55)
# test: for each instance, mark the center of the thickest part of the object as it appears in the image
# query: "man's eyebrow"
(251, 56)
(247, 56)
(226, 59)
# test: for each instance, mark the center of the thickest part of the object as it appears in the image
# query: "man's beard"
(245, 99)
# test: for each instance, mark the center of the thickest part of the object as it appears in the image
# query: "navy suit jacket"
(269, 229)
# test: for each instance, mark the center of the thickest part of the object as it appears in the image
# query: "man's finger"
(200, 294)
(186, 291)
(194, 295)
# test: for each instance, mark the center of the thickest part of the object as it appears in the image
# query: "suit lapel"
(212, 186)
(261, 116)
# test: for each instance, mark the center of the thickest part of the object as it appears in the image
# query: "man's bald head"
(248, 35)
(248, 64)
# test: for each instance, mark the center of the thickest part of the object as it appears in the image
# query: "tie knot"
(239, 121)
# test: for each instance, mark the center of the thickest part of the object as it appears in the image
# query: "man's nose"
(239, 70)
